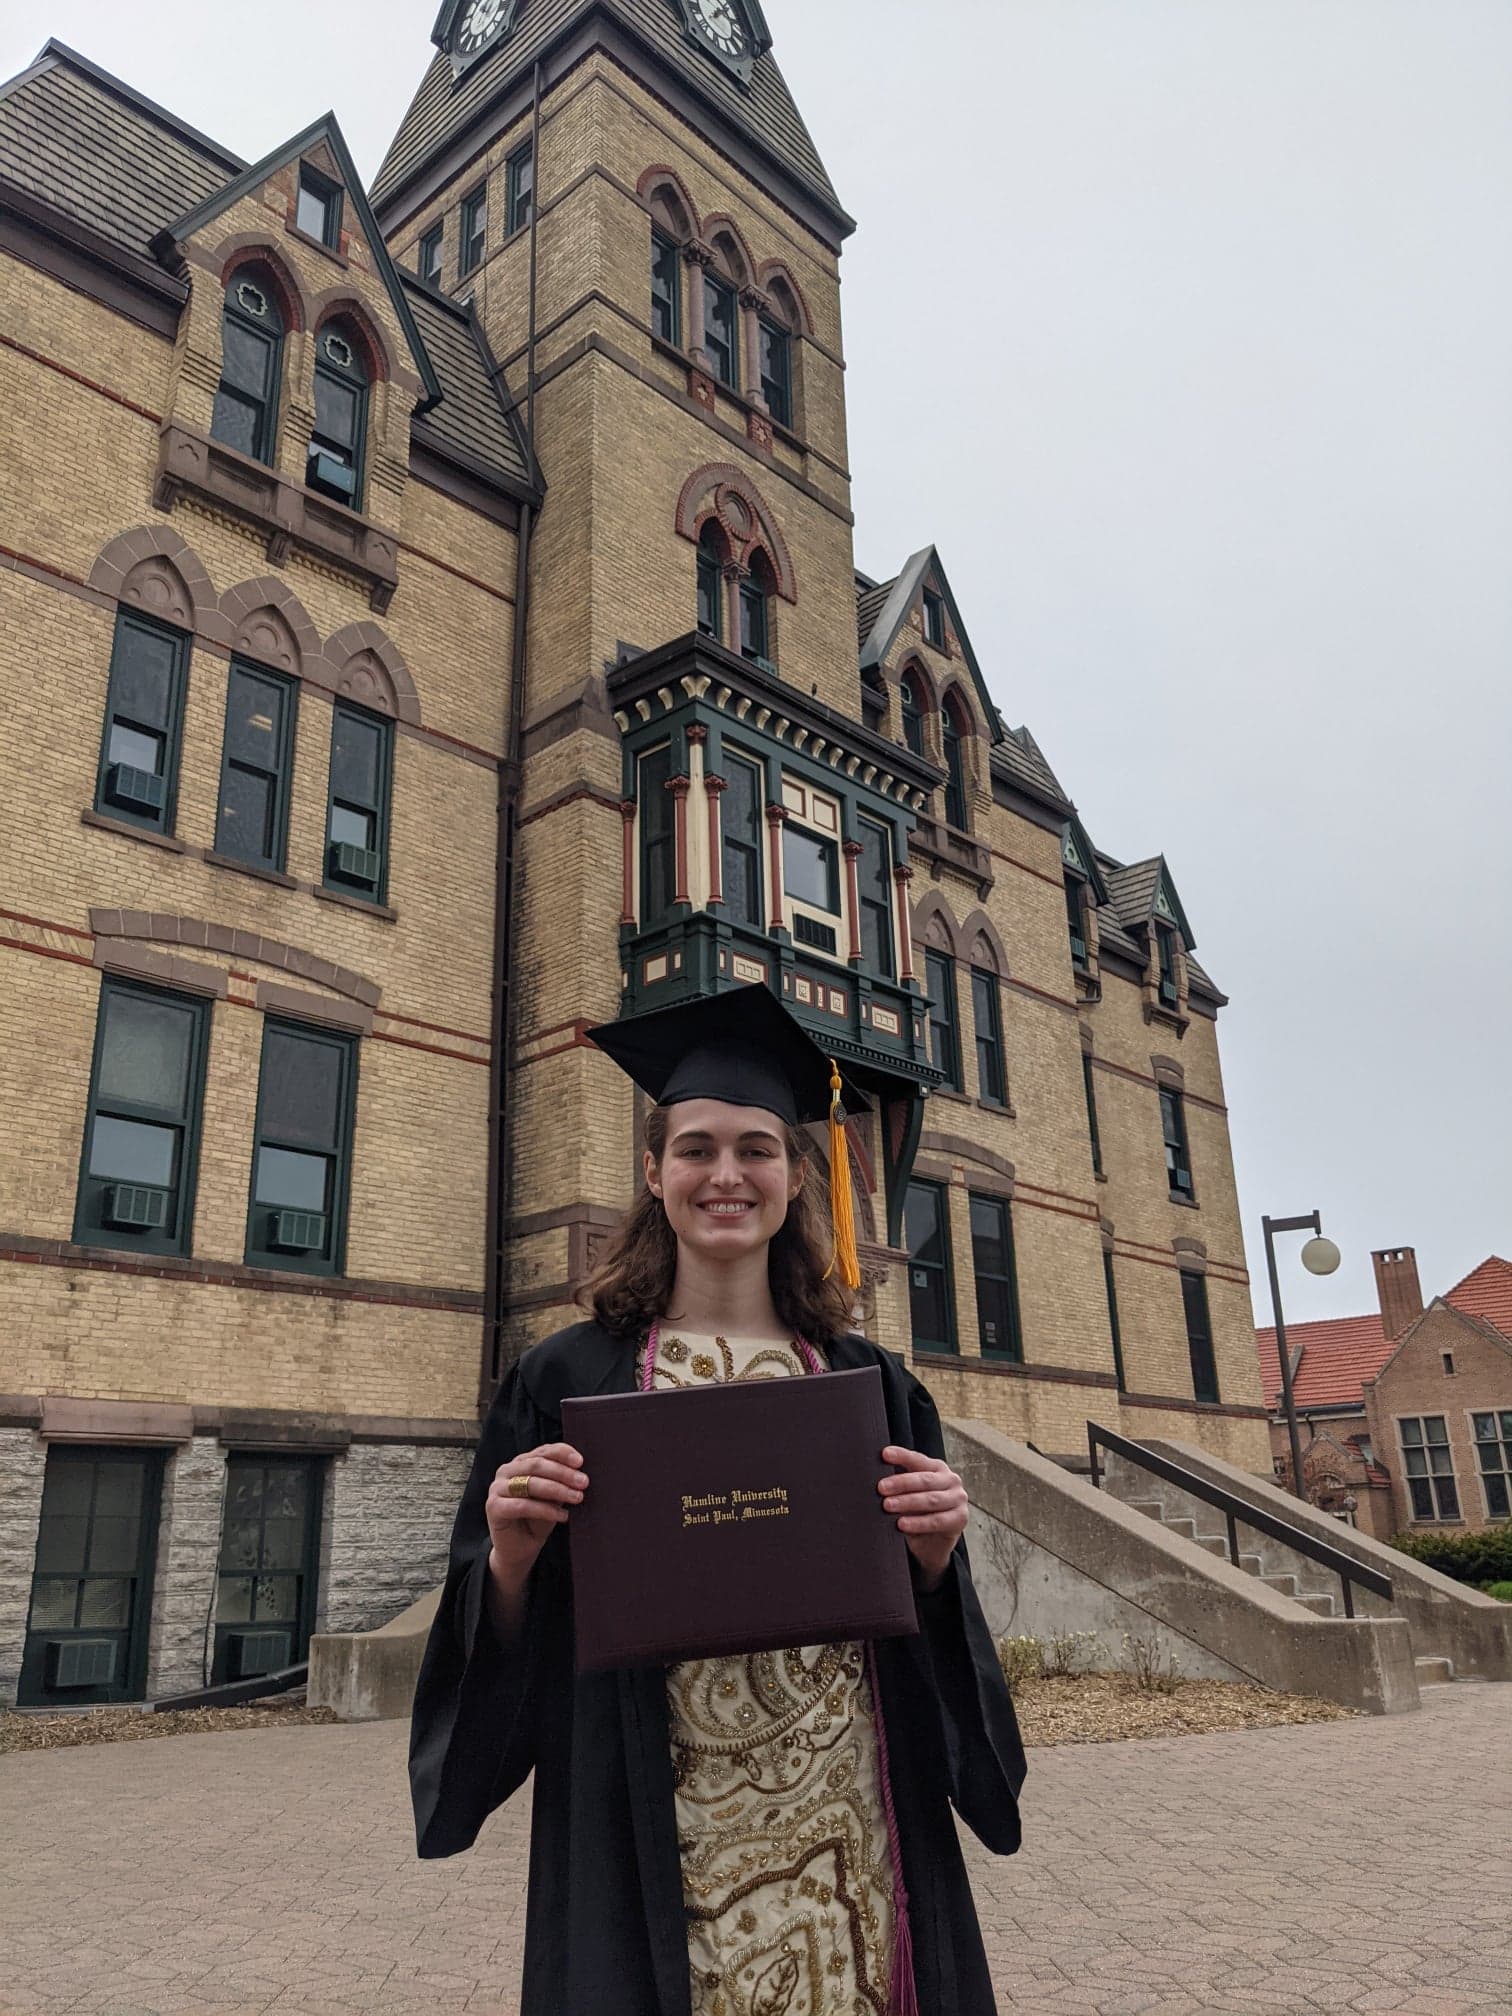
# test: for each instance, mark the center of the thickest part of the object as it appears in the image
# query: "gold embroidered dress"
(787, 1881)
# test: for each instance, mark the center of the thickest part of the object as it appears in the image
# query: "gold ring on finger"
(519, 1486)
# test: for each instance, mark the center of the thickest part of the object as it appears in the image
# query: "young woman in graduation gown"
(677, 1867)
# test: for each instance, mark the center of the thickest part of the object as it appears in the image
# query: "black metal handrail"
(1237, 1511)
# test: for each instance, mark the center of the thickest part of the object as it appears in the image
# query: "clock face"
(480, 23)
(720, 22)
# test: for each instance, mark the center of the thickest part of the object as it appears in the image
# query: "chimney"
(1397, 1288)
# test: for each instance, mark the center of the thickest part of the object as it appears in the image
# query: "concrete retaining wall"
(369, 1676)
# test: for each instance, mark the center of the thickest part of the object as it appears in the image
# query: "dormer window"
(1076, 920)
(912, 714)
(245, 416)
(318, 212)
(934, 619)
(955, 766)
(1165, 952)
(335, 464)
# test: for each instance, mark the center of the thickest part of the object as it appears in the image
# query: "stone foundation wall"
(388, 1520)
(23, 1459)
(189, 1525)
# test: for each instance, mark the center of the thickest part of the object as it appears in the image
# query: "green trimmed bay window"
(357, 818)
(144, 719)
(252, 822)
(338, 441)
(658, 835)
(141, 1136)
(992, 1262)
(740, 842)
(874, 893)
(302, 1156)
(931, 1296)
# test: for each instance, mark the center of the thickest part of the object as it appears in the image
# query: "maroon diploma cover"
(734, 1518)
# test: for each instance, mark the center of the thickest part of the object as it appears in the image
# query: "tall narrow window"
(777, 371)
(141, 1136)
(931, 1301)
(1113, 1330)
(1199, 1332)
(245, 414)
(658, 856)
(1165, 945)
(520, 194)
(986, 1013)
(474, 231)
(338, 442)
(740, 833)
(253, 821)
(1428, 1466)
(996, 1279)
(357, 817)
(666, 289)
(1089, 1087)
(1076, 920)
(811, 878)
(721, 329)
(944, 1034)
(934, 619)
(1173, 1129)
(1493, 1451)
(912, 715)
(874, 889)
(955, 769)
(318, 213)
(711, 582)
(430, 256)
(269, 1558)
(302, 1158)
(756, 615)
(144, 715)
(91, 1595)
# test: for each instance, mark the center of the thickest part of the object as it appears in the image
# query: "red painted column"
(679, 787)
(902, 876)
(627, 897)
(714, 786)
(776, 816)
(851, 849)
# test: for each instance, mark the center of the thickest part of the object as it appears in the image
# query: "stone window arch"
(267, 623)
(722, 491)
(154, 570)
(916, 703)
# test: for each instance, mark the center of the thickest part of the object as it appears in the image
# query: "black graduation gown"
(605, 1933)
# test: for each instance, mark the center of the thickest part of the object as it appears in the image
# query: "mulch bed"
(1085, 1708)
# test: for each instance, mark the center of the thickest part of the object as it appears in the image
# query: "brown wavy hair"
(629, 1288)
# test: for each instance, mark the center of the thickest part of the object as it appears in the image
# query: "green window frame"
(1199, 1335)
(874, 890)
(1428, 1468)
(91, 1591)
(1076, 921)
(318, 211)
(934, 619)
(302, 1149)
(777, 371)
(429, 259)
(337, 462)
(269, 1564)
(666, 289)
(1165, 953)
(1094, 1133)
(755, 622)
(944, 1021)
(474, 235)
(1000, 1333)
(139, 1160)
(1114, 1332)
(1493, 1452)
(257, 762)
(144, 723)
(357, 807)
(245, 413)
(911, 715)
(987, 1015)
(721, 330)
(740, 841)
(658, 835)
(519, 188)
(931, 1291)
(956, 812)
(711, 583)
(1174, 1135)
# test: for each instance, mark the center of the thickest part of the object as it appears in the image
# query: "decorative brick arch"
(155, 570)
(720, 490)
(168, 928)
(660, 177)
(721, 225)
(267, 622)
(980, 927)
(340, 304)
(914, 668)
(773, 272)
(248, 248)
(934, 926)
(955, 697)
(362, 664)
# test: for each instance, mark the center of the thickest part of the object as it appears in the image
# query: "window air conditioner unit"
(298, 1231)
(353, 864)
(326, 473)
(137, 790)
(1168, 993)
(81, 1662)
(249, 1653)
(809, 931)
(135, 1207)
(1181, 1179)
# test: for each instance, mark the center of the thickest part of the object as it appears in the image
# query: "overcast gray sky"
(1182, 328)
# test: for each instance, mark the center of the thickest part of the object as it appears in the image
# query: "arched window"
(955, 766)
(670, 231)
(721, 318)
(338, 442)
(711, 581)
(245, 416)
(912, 711)
(775, 329)
(756, 613)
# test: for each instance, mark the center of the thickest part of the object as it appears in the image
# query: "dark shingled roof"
(100, 155)
(82, 141)
(1132, 890)
(442, 109)
(869, 605)
(1019, 757)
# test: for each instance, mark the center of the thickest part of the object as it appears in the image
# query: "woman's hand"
(928, 1500)
(521, 1521)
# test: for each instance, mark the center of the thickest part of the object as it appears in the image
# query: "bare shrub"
(1021, 1659)
(1153, 1671)
(1072, 1652)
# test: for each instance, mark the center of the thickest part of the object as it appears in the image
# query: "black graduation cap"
(742, 1047)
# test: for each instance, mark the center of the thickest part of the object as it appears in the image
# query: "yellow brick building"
(432, 625)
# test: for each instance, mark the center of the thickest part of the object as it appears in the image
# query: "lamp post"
(1319, 1256)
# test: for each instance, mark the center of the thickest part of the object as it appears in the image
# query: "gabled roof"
(1078, 852)
(1143, 892)
(1486, 1291)
(1441, 1304)
(892, 612)
(445, 108)
(325, 130)
(475, 420)
(1338, 1356)
(870, 601)
(1019, 758)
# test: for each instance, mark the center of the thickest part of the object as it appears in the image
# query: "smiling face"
(725, 1177)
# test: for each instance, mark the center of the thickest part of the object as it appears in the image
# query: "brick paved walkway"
(1345, 1866)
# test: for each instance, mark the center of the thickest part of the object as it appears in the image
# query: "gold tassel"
(842, 1209)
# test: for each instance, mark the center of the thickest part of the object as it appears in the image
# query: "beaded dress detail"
(787, 1877)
